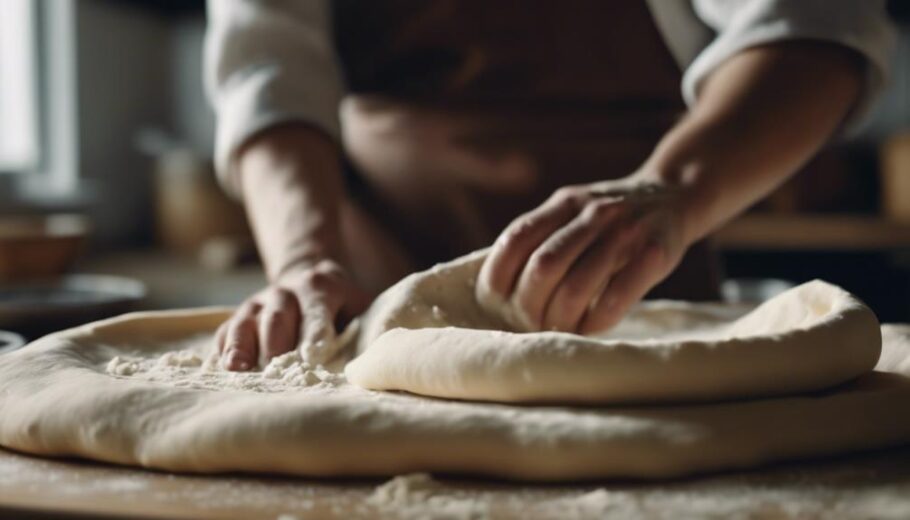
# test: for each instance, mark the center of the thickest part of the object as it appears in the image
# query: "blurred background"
(104, 124)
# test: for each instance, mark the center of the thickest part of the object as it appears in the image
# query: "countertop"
(874, 485)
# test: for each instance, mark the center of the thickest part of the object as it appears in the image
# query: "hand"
(581, 259)
(302, 308)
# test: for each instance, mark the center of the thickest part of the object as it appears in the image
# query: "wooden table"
(874, 485)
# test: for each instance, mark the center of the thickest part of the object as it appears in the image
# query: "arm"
(579, 261)
(759, 117)
(272, 77)
(291, 184)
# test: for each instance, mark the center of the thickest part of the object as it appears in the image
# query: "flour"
(418, 496)
(197, 367)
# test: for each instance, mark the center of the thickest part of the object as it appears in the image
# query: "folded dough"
(429, 335)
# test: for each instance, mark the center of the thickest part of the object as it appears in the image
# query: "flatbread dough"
(63, 396)
(429, 335)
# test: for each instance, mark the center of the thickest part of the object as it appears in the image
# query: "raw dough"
(429, 335)
(57, 398)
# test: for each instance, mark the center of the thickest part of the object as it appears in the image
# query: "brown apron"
(579, 90)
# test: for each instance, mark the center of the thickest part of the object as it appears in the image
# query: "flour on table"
(418, 496)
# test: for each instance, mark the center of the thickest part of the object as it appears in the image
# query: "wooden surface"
(875, 485)
(813, 232)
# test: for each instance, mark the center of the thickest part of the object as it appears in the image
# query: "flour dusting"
(195, 366)
(418, 495)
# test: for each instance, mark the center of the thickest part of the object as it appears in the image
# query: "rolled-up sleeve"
(860, 25)
(269, 62)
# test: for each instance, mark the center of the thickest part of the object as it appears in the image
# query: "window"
(38, 130)
(19, 116)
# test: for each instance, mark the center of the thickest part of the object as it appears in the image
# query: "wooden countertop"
(874, 485)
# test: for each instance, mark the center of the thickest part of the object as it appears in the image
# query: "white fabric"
(272, 61)
(740, 24)
(266, 63)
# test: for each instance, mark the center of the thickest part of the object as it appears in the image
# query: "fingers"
(510, 253)
(320, 299)
(549, 263)
(301, 313)
(628, 286)
(588, 277)
(240, 348)
(279, 324)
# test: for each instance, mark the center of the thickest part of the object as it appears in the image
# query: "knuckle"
(653, 252)
(543, 261)
(248, 308)
(517, 232)
(284, 298)
(567, 194)
(604, 207)
(594, 212)
(243, 323)
(318, 280)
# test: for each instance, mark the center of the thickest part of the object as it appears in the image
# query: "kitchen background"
(124, 134)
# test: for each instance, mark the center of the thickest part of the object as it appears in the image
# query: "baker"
(595, 144)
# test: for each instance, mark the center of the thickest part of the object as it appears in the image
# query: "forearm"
(760, 116)
(292, 188)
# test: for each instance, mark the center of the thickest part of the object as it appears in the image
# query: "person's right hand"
(300, 310)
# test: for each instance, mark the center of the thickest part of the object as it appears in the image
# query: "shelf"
(813, 233)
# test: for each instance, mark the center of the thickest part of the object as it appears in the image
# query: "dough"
(429, 335)
(58, 398)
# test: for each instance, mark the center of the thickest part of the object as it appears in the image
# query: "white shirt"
(272, 61)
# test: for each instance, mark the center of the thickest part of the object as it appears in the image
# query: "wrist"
(694, 159)
(690, 197)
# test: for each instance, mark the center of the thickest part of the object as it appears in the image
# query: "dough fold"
(429, 335)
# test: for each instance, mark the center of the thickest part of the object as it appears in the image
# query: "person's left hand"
(581, 259)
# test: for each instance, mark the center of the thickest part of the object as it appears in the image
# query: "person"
(595, 144)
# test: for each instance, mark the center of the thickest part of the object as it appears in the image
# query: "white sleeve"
(861, 25)
(269, 62)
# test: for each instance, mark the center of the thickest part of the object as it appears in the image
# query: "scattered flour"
(418, 496)
(195, 367)
(876, 485)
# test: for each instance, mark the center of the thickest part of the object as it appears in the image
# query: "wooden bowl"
(35, 247)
